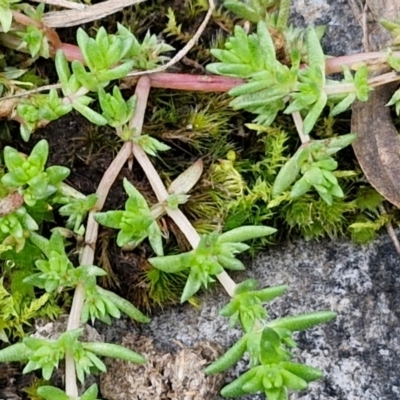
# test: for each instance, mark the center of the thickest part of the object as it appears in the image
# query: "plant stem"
(87, 256)
(201, 83)
(343, 88)
(298, 121)
(384, 78)
(182, 53)
(354, 61)
(176, 215)
(390, 230)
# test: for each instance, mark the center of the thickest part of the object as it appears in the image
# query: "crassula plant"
(259, 82)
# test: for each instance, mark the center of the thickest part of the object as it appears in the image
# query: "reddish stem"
(212, 83)
(202, 83)
(71, 52)
(51, 34)
(334, 65)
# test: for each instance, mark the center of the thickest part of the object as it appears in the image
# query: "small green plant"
(213, 253)
(273, 87)
(31, 184)
(268, 344)
(313, 160)
(135, 222)
(45, 354)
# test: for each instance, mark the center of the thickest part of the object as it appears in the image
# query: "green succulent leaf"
(303, 321)
(193, 285)
(114, 351)
(361, 83)
(243, 10)
(91, 393)
(16, 352)
(170, 264)
(245, 233)
(315, 53)
(246, 286)
(304, 372)
(123, 305)
(288, 173)
(93, 116)
(268, 294)
(52, 393)
(231, 357)
(235, 388)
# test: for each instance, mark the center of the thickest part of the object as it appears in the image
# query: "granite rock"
(359, 351)
(343, 33)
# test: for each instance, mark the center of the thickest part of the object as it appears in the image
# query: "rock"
(359, 351)
(343, 32)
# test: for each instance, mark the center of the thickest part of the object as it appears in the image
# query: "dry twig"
(63, 3)
(67, 18)
(182, 53)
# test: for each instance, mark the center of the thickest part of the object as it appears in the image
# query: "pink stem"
(203, 83)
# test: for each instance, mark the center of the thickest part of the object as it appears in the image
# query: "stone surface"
(359, 351)
(343, 32)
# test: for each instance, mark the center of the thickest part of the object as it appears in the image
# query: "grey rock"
(343, 33)
(359, 351)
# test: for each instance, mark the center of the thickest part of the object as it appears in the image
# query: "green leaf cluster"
(253, 57)
(150, 145)
(35, 41)
(116, 110)
(214, 253)
(6, 13)
(148, 54)
(76, 211)
(15, 227)
(39, 108)
(341, 102)
(272, 86)
(103, 57)
(46, 354)
(246, 304)
(313, 160)
(28, 191)
(53, 393)
(102, 304)
(29, 176)
(56, 271)
(135, 223)
(107, 57)
(271, 370)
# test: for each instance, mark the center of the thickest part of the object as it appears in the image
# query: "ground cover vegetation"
(120, 177)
